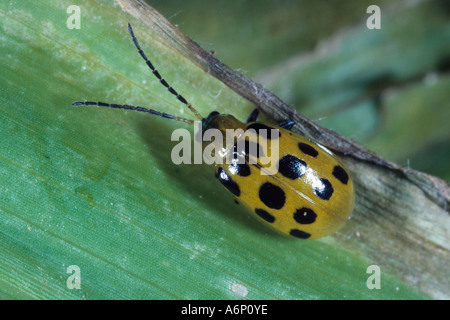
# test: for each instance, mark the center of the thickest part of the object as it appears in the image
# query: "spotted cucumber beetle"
(309, 196)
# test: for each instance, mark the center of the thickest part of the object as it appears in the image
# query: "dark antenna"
(142, 109)
(128, 107)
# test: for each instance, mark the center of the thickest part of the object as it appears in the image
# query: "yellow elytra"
(309, 192)
(308, 195)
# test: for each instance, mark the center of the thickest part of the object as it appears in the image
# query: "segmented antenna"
(134, 108)
(160, 78)
(142, 109)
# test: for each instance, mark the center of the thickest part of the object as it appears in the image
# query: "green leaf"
(96, 188)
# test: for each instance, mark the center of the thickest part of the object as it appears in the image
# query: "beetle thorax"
(221, 123)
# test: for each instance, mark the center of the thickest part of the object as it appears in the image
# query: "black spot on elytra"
(299, 234)
(228, 182)
(266, 130)
(253, 148)
(340, 174)
(291, 167)
(241, 169)
(308, 149)
(305, 216)
(272, 195)
(265, 215)
(324, 189)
